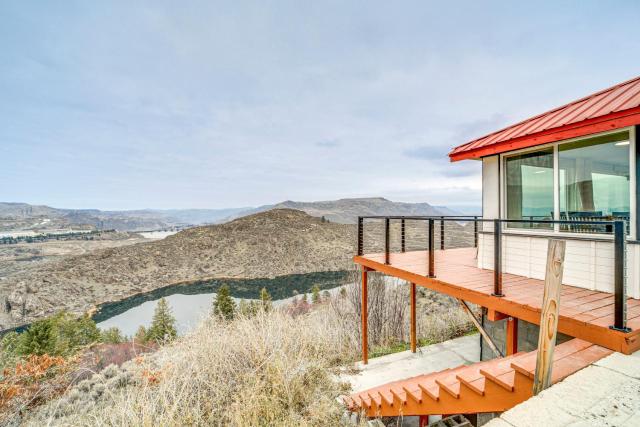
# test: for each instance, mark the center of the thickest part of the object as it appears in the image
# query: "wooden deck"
(584, 313)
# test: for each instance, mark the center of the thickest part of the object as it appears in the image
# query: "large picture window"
(594, 179)
(529, 181)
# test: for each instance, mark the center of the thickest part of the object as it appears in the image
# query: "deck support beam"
(413, 317)
(512, 336)
(480, 329)
(364, 315)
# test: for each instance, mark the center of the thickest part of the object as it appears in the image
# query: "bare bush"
(439, 317)
(387, 303)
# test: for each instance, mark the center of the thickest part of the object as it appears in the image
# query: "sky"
(205, 104)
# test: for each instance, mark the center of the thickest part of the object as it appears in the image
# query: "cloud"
(330, 143)
(167, 106)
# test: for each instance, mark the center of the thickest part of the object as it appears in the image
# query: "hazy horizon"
(462, 208)
(210, 105)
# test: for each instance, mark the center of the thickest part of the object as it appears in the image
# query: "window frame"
(555, 230)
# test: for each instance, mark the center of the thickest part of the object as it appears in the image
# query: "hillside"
(23, 216)
(346, 211)
(268, 244)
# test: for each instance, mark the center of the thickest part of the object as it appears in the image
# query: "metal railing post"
(441, 233)
(475, 231)
(497, 258)
(360, 235)
(620, 297)
(386, 240)
(402, 245)
(432, 260)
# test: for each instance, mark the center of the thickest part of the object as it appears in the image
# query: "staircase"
(491, 386)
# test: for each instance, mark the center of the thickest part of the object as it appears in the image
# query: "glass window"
(594, 180)
(529, 195)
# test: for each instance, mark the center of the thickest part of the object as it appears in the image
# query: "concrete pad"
(498, 422)
(627, 365)
(432, 358)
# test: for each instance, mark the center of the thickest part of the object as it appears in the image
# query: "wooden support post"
(413, 317)
(364, 315)
(512, 336)
(549, 317)
(423, 420)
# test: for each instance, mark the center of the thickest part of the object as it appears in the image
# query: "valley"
(260, 246)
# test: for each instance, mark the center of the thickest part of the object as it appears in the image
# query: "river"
(191, 302)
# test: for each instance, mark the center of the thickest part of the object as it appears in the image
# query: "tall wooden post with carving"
(550, 313)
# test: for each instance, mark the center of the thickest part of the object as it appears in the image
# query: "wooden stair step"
(431, 390)
(377, 402)
(473, 378)
(575, 362)
(504, 379)
(450, 384)
(527, 363)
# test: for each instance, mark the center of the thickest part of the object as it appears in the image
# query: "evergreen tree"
(343, 292)
(265, 300)
(141, 335)
(163, 324)
(38, 339)
(73, 333)
(112, 335)
(315, 294)
(224, 306)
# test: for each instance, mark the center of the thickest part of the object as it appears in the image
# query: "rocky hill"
(268, 244)
(346, 211)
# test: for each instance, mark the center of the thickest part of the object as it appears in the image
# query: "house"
(572, 174)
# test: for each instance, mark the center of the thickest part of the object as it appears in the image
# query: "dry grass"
(272, 369)
(275, 369)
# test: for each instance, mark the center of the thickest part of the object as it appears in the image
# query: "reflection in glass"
(529, 180)
(594, 180)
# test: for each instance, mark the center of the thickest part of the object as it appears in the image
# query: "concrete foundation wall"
(527, 337)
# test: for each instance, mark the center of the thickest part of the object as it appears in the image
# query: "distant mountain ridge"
(346, 211)
(23, 216)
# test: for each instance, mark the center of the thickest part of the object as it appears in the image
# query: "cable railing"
(430, 233)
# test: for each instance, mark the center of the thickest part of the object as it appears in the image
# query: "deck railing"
(466, 229)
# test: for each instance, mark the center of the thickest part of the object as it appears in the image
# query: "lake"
(191, 302)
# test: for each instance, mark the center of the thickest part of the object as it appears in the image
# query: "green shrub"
(39, 339)
(60, 335)
(72, 333)
(265, 299)
(112, 335)
(315, 294)
(141, 335)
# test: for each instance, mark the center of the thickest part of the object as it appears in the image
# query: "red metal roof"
(612, 108)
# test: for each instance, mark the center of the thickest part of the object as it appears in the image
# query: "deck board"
(584, 313)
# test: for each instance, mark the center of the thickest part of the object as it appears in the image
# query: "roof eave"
(600, 124)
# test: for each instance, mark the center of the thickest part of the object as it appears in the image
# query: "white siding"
(588, 264)
(490, 190)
